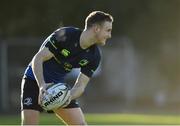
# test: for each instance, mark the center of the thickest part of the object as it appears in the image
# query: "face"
(103, 32)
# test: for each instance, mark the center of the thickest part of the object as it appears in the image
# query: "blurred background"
(140, 69)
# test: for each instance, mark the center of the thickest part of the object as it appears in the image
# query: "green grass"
(101, 119)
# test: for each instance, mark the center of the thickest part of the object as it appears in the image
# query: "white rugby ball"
(57, 95)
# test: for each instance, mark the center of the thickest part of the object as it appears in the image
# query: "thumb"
(47, 85)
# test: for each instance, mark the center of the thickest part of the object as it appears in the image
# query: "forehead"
(107, 25)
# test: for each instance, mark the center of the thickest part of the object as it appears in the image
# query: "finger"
(43, 91)
(40, 100)
(67, 102)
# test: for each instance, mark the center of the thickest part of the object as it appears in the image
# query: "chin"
(102, 43)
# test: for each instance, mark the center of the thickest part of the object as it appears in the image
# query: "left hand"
(67, 102)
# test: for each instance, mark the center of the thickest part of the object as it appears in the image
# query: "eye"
(109, 30)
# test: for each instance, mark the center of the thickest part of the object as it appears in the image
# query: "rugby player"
(66, 48)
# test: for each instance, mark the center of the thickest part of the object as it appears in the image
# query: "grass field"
(102, 119)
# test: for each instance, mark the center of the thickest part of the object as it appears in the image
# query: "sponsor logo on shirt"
(83, 62)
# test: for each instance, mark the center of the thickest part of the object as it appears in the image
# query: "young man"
(63, 50)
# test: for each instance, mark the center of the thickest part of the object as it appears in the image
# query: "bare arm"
(37, 64)
(79, 86)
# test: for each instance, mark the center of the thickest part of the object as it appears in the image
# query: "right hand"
(43, 91)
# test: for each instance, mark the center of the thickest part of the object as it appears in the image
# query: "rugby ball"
(57, 95)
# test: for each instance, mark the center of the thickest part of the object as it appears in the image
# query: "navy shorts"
(30, 93)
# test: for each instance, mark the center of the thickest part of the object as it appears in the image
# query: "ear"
(96, 28)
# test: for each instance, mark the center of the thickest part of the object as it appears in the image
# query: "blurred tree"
(144, 21)
(37, 18)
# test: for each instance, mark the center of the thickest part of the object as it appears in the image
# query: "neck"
(87, 39)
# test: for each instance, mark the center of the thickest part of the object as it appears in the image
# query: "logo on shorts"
(28, 101)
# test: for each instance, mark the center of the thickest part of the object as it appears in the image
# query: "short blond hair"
(97, 17)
